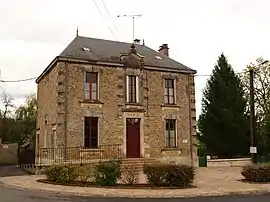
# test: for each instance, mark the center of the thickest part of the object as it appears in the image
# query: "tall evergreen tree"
(223, 123)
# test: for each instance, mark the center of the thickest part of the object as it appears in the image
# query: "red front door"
(133, 138)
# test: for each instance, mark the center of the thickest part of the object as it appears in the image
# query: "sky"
(33, 32)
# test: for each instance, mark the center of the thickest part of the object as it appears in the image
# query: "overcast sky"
(33, 32)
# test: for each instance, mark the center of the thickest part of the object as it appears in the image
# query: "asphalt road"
(13, 195)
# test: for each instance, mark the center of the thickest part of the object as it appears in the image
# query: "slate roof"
(109, 51)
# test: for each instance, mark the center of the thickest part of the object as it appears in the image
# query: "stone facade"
(112, 109)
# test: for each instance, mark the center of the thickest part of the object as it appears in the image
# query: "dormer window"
(86, 49)
(158, 57)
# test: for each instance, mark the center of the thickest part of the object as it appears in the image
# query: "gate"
(26, 156)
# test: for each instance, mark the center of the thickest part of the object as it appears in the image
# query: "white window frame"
(137, 88)
(176, 131)
(85, 71)
(174, 90)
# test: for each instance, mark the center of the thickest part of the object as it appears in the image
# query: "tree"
(26, 116)
(262, 101)
(7, 102)
(223, 123)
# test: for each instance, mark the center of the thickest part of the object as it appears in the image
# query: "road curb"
(111, 195)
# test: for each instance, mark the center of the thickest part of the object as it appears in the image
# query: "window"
(91, 86)
(169, 91)
(158, 57)
(91, 132)
(170, 134)
(86, 49)
(132, 89)
(45, 135)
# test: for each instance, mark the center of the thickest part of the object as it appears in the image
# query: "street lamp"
(253, 148)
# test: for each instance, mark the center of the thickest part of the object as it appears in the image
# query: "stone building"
(99, 92)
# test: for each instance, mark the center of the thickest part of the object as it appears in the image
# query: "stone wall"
(47, 105)
(8, 154)
(113, 111)
(228, 162)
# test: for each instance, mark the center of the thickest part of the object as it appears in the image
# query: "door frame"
(133, 149)
(138, 115)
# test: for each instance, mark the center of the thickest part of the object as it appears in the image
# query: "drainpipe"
(190, 126)
(66, 107)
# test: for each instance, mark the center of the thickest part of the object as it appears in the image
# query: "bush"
(61, 173)
(256, 173)
(85, 173)
(107, 173)
(129, 175)
(155, 174)
(169, 175)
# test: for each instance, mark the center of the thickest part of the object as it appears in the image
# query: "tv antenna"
(133, 22)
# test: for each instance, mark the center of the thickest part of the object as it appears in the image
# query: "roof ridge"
(105, 40)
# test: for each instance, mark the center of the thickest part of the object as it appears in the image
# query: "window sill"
(91, 102)
(170, 105)
(171, 149)
(134, 104)
(133, 107)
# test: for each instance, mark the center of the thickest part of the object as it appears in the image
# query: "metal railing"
(77, 155)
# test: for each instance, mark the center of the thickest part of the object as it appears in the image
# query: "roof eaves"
(163, 68)
(48, 68)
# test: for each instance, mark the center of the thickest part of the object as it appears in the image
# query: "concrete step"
(137, 163)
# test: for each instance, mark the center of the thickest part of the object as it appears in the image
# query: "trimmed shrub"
(107, 173)
(129, 175)
(155, 174)
(179, 175)
(85, 173)
(52, 172)
(256, 173)
(169, 175)
(61, 173)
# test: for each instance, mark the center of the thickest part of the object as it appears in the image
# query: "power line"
(211, 75)
(109, 14)
(19, 80)
(104, 19)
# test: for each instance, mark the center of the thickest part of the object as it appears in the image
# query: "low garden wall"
(8, 154)
(228, 162)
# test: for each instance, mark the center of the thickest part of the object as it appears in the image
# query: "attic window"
(158, 57)
(86, 49)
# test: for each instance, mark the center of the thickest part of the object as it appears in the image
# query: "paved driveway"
(11, 170)
(11, 195)
(208, 178)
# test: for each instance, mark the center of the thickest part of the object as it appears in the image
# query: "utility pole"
(253, 148)
(133, 23)
(252, 115)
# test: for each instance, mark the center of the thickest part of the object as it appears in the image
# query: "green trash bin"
(202, 161)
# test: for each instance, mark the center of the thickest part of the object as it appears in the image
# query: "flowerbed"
(112, 173)
(117, 186)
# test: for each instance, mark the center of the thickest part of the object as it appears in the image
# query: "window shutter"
(127, 89)
(137, 89)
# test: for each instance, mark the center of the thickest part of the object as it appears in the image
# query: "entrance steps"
(137, 163)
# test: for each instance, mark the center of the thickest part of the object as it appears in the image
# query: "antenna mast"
(133, 22)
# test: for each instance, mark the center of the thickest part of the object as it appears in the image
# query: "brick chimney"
(164, 49)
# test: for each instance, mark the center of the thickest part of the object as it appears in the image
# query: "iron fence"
(77, 155)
